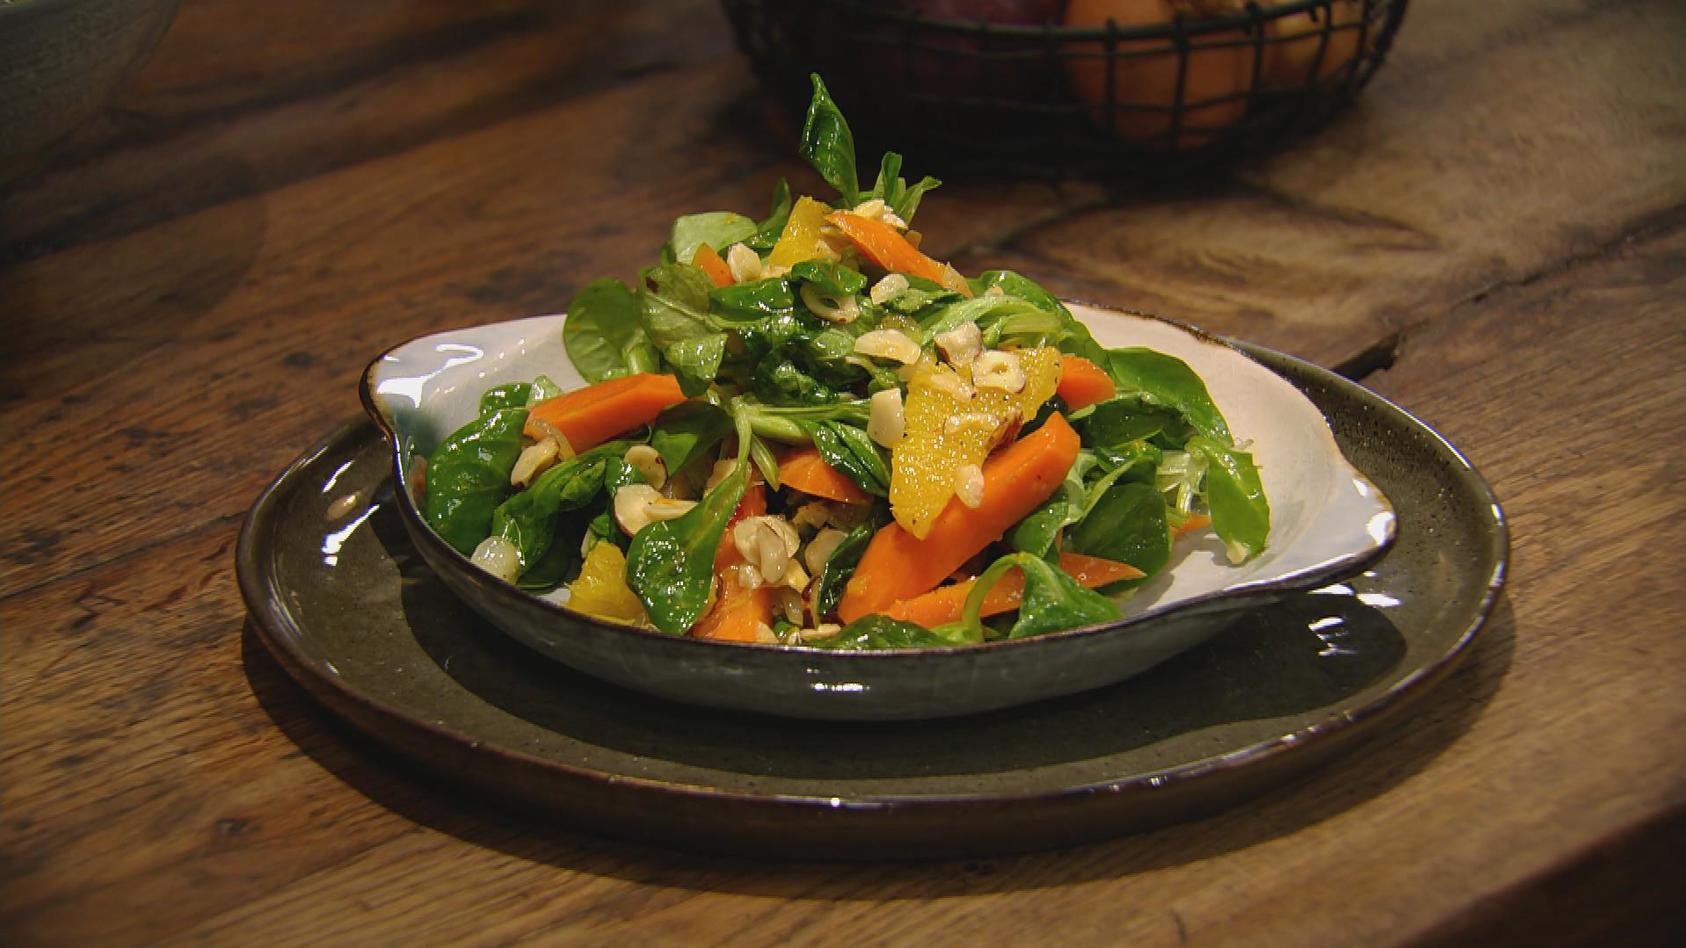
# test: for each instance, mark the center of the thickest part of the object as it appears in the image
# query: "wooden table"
(1494, 237)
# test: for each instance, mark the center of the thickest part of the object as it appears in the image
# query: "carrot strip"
(595, 414)
(897, 565)
(807, 471)
(737, 610)
(1193, 523)
(883, 245)
(1083, 383)
(752, 504)
(948, 603)
(736, 613)
(708, 260)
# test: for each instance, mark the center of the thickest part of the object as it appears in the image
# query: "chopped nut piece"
(877, 210)
(887, 289)
(564, 450)
(961, 344)
(534, 459)
(648, 462)
(888, 344)
(722, 469)
(811, 516)
(824, 630)
(499, 557)
(885, 421)
(821, 547)
(768, 543)
(832, 309)
(744, 263)
(789, 604)
(969, 485)
(748, 577)
(795, 577)
(639, 505)
(998, 370)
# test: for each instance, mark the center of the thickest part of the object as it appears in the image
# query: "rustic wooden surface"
(1494, 237)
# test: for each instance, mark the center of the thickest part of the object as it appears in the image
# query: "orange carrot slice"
(885, 246)
(1083, 383)
(595, 414)
(1193, 523)
(897, 565)
(736, 613)
(947, 603)
(752, 504)
(737, 610)
(807, 471)
(709, 261)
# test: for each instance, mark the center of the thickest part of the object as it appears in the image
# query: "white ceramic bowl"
(1327, 520)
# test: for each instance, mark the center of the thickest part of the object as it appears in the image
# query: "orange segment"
(945, 430)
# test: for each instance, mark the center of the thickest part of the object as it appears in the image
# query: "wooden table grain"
(1494, 237)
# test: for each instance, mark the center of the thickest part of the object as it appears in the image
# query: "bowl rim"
(1230, 596)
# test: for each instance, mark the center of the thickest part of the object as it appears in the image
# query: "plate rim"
(281, 636)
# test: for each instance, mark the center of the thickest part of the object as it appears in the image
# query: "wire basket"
(1052, 99)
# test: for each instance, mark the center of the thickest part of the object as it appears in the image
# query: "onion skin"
(1224, 73)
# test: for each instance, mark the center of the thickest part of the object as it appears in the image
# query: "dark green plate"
(342, 599)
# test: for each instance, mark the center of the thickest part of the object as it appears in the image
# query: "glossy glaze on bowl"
(1328, 519)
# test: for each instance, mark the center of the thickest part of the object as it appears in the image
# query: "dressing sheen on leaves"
(727, 362)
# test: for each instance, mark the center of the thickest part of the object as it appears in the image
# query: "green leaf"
(1036, 533)
(765, 461)
(1235, 497)
(1054, 601)
(830, 276)
(670, 563)
(791, 424)
(603, 335)
(560, 562)
(767, 233)
(828, 145)
(468, 476)
(755, 301)
(673, 303)
(687, 431)
(853, 453)
(510, 395)
(1012, 284)
(834, 576)
(529, 518)
(1127, 523)
(696, 361)
(983, 310)
(1131, 417)
(875, 632)
(1167, 380)
(906, 201)
(894, 189)
(781, 380)
(543, 388)
(718, 229)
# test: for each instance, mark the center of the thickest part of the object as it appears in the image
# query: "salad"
(803, 430)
